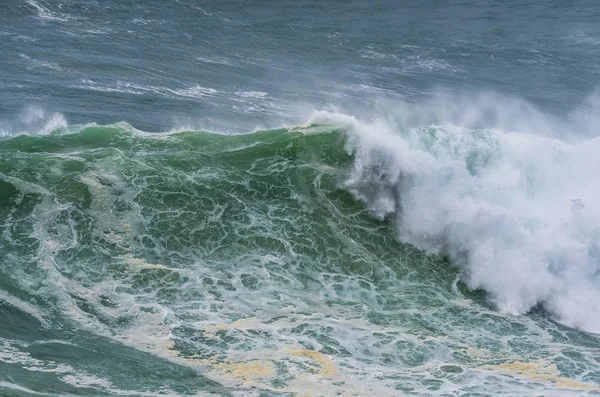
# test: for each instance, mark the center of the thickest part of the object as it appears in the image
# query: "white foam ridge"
(193, 91)
(12, 386)
(518, 212)
(45, 13)
(23, 305)
(32, 63)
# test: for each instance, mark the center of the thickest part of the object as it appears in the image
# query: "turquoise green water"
(191, 263)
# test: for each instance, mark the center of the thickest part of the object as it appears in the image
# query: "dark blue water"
(160, 66)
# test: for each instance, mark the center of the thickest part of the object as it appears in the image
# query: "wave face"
(301, 260)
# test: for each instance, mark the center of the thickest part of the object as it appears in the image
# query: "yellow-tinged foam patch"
(258, 368)
(247, 371)
(540, 370)
(141, 264)
(327, 366)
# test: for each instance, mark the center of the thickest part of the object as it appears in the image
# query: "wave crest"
(519, 213)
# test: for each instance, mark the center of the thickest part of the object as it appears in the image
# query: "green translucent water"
(199, 264)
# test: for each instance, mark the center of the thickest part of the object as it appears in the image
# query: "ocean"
(299, 198)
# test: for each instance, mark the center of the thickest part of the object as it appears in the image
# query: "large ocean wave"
(298, 244)
(517, 212)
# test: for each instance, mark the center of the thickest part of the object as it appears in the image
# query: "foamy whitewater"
(517, 212)
(299, 199)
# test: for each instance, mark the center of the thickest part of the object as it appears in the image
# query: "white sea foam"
(581, 37)
(194, 91)
(215, 60)
(251, 94)
(520, 213)
(36, 63)
(47, 14)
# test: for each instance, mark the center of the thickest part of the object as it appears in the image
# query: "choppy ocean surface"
(308, 198)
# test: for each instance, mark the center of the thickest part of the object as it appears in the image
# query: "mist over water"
(299, 199)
